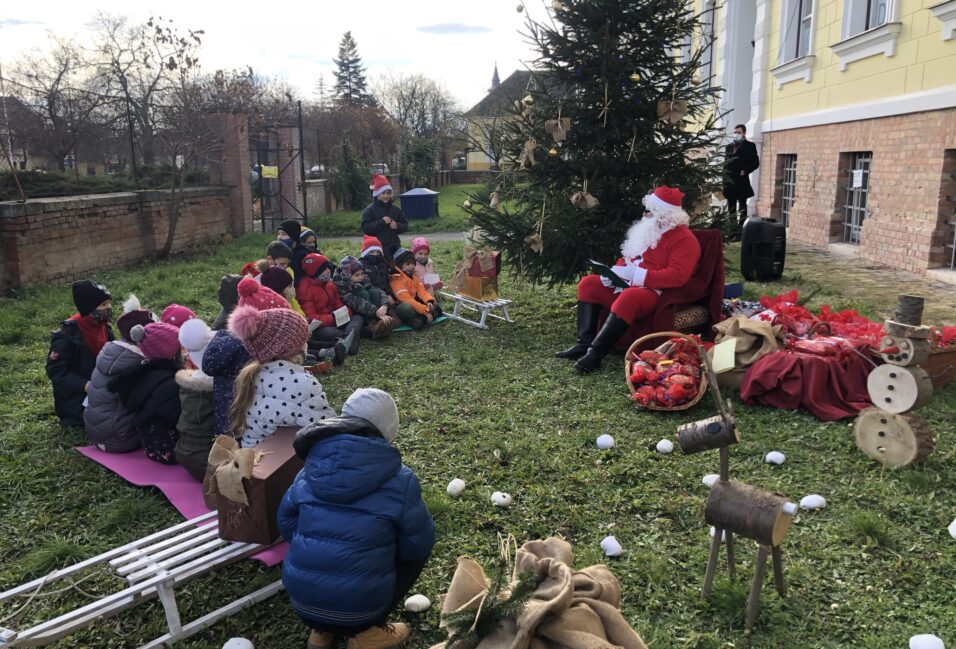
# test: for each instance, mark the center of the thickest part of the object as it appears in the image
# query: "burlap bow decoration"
(494, 200)
(231, 464)
(459, 278)
(583, 200)
(671, 111)
(558, 128)
(526, 159)
(485, 257)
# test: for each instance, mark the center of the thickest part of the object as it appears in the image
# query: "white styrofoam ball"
(952, 529)
(926, 641)
(710, 480)
(501, 499)
(455, 487)
(775, 457)
(611, 547)
(417, 604)
(813, 501)
(605, 442)
(665, 446)
(238, 643)
(723, 534)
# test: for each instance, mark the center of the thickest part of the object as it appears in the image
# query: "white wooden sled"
(484, 309)
(153, 567)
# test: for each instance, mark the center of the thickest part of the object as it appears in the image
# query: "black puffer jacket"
(150, 392)
(373, 224)
(70, 364)
(378, 273)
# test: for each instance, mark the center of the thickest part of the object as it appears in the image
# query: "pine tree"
(351, 87)
(321, 92)
(608, 66)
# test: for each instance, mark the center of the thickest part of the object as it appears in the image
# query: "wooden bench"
(483, 308)
(153, 566)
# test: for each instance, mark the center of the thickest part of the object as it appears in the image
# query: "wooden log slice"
(896, 440)
(906, 352)
(909, 309)
(901, 330)
(754, 513)
(706, 434)
(899, 389)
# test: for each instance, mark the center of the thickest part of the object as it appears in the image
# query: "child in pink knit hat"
(254, 294)
(423, 265)
(273, 390)
(149, 390)
(177, 315)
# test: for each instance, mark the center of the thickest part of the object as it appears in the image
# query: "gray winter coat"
(109, 425)
(197, 421)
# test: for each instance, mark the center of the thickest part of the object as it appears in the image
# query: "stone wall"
(64, 239)
(907, 200)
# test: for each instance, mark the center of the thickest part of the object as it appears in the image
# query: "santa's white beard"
(643, 235)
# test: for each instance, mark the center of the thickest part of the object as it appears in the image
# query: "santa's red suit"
(668, 265)
(659, 253)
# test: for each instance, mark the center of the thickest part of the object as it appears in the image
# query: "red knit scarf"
(94, 333)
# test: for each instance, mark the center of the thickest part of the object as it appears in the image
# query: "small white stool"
(483, 308)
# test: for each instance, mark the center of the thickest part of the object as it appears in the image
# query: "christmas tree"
(351, 87)
(614, 107)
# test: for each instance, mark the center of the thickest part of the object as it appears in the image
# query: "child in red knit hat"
(274, 389)
(331, 319)
(377, 268)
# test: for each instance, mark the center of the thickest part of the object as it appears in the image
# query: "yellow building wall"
(923, 61)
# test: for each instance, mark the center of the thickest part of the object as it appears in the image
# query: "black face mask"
(375, 260)
(102, 315)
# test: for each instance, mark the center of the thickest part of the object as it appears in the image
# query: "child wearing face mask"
(73, 349)
(322, 303)
(273, 389)
(416, 306)
(423, 265)
(377, 270)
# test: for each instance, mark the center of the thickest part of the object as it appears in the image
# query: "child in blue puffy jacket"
(358, 530)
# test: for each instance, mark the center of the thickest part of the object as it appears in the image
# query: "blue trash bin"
(419, 203)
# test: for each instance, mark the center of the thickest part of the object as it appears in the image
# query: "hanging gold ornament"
(528, 100)
(553, 152)
(635, 77)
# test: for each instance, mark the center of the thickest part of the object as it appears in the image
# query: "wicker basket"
(662, 349)
(941, 365)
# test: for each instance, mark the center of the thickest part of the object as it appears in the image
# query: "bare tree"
(63, 98)
(421, 105)
(141, 62)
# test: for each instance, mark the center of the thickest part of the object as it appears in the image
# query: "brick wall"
(63, 239)
(471, 177)
(904, 225)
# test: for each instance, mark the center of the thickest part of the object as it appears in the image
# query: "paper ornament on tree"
(535, 242)
(671, 111)
(583, 200)
(494, 200)
(526, 159)
(558, 128)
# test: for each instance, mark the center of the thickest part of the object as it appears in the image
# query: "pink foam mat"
(180, 488)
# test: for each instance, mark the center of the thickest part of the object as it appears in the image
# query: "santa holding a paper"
(659, 253)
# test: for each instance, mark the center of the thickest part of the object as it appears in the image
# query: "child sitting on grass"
(322, 303)
(416, 306)
(376, 267)
(280, 281)
(74, 347)
(149, 390)
(423, 265)
(358, 530)
(273, 389)
(362, 298)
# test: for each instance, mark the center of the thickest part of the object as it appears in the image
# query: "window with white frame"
(796, 30)
(707, 38)
(789, 164)
(863, 15)
(857, 196)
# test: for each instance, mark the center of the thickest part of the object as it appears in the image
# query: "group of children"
(358, 529)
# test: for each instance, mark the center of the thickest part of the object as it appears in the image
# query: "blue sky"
(454, 41)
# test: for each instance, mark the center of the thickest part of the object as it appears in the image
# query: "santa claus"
(659, 253)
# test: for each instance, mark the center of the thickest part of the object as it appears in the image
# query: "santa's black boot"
(612, 330)
(588, 314)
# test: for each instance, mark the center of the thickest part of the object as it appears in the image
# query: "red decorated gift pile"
(666, 377)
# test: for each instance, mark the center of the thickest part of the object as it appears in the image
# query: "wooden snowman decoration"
(890, 432)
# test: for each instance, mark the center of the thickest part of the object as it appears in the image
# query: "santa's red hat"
(369, 244)
(379, 185)
(665, 201)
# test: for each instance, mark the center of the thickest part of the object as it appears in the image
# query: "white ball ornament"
(926, 641)
(455, 487)
(710, 480)
(501, 499)
(605, 442)
(775, 457)
(813, 501)
(952, 529)
(611, 547)
(665, 446)
(417, 604)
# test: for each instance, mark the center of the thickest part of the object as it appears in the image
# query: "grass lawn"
(872, 569)
(451, 216)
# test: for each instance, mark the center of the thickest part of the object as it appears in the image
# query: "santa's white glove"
(624, 272)
(606, 282)
(639, 276)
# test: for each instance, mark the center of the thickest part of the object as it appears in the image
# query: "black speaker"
(763, 249)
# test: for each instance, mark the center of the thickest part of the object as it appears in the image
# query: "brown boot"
(390, 636)
(320, 640)
(381, 328)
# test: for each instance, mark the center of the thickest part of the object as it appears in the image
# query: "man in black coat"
(740, 160)
(383, 219)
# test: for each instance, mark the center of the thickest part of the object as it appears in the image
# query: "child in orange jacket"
(416, 306)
